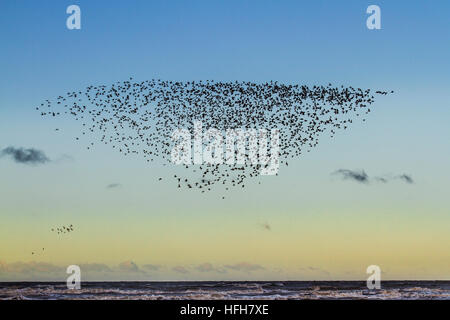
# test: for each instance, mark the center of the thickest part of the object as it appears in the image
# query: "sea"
(226, 290)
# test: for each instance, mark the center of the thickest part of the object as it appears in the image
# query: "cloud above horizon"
(126, 270)
(406, 178)
(180, 269)
(245, 266)
(152, 267)
(34, 271)
(25, 156)
(129, 266)
(315, 270)
(358, 176)
(95, 267)
(113, 185)
(208, 267)
(361, 176)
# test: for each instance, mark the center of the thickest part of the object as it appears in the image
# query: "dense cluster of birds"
(63, 229)
(140, 117)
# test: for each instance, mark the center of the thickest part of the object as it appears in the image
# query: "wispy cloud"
(205, 267)
(406, 178)
(113, 185)
(381, 179)
(245, 266)
(25, 156)
(315, 270)
(358, 176)
(64, 159)
(180, 269)
(30, 267)
(126, 270)
(152, 267)
(129, 266)
(362, 177)
(208, 267)
(95, 267)
(24, 271)
(43, 271)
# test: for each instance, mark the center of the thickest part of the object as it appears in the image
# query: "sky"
(305, 223)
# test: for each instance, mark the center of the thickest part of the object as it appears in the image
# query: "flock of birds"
(63, 229)
(140, 117)
(58, 230)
